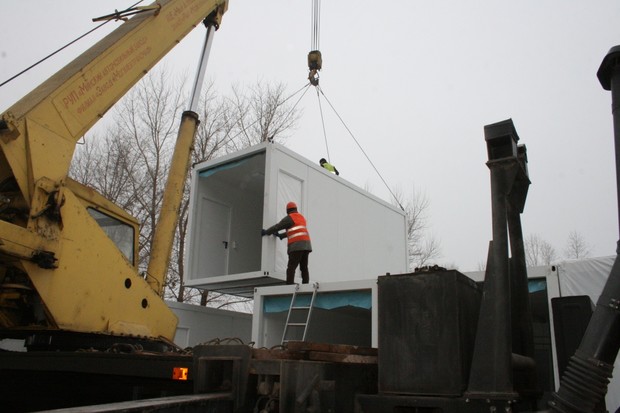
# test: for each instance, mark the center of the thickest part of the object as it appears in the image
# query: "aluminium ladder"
(299, 310)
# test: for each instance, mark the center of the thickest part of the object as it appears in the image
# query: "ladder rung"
(307, 308)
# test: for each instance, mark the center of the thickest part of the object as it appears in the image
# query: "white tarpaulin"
(588, 277)
(584, 277)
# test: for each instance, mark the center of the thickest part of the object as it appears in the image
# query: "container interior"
(340, 317)
(229, 218)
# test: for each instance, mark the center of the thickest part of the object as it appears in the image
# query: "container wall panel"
(355, 235)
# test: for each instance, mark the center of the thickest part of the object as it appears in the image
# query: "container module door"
(215, 230)
(289, 189)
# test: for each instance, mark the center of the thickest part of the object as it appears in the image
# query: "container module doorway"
(225, 227)
(355, 235)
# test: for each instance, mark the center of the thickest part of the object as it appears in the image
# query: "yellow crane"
(68, 256)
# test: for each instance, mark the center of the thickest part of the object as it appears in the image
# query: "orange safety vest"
(298, 232)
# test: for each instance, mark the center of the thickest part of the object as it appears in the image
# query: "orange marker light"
(179, 373)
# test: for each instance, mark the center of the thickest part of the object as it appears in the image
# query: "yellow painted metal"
(93, 199)
(171, 202)
(70, 102)
(22, 243)
(91, 286)
(95, 288)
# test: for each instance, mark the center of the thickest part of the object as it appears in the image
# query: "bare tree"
(538, 251)
(130, 165)
(230, 124)
(108, 165)
(261, 114)
(212, 133)
(148, 117)
(422, 247)
(576, 246)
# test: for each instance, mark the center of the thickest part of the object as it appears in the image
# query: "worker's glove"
(281, 236)
(263, 232)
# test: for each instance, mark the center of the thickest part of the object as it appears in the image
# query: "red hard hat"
(291, 205)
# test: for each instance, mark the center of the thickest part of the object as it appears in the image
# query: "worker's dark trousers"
(296, 258)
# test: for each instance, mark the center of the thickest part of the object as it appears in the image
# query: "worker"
(299, 246)
(331, 168)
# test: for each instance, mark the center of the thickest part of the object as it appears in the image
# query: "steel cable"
(361, 149)
(59, 50)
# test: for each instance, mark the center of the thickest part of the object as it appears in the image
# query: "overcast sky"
(415, 82)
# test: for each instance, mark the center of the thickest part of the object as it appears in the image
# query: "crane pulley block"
(315, 62)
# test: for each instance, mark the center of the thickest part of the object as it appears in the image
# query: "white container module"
(355, 235)
(342, 313)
